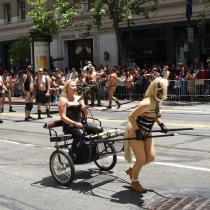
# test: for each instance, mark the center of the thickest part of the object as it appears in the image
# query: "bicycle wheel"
(107, 159)
(62, 167)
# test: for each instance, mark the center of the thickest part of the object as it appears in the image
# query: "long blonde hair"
(155, 85)
(65, 88)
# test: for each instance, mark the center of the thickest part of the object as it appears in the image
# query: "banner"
(41, 55)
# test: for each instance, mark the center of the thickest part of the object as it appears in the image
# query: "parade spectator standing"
(67, 77)
(43, 93)
(129, 84)
(154, 74)
(8, 85)
(28, 92)
(112, 88)
(82, 88)
(56, 82)
(182, 77)
(73, 74)
(89, 64)
(202, 75)
(177, 88)
(191, 76)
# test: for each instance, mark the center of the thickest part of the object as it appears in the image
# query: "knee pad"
(27, 107)
(30, 106)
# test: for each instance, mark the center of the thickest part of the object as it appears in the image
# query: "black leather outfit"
(74, 113)
(146, 123)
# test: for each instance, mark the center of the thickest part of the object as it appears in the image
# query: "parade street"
(181, 167)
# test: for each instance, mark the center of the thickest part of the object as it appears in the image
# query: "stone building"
(162, 38)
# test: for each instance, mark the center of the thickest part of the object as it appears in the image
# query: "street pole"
(188, 16)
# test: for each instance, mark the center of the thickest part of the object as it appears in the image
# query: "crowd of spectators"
(134, 80)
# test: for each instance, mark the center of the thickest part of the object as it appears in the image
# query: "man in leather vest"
(28, 92)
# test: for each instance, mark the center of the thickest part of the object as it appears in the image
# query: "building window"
(22, 11)
(7, 9)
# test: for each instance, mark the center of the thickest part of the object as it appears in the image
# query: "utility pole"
(189, 30)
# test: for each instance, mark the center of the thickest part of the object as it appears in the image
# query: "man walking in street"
(2, 87)
(112, 87)
(43, 92)
(8, 85)
(28, 92)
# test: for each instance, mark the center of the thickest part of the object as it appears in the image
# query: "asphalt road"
(181, 166)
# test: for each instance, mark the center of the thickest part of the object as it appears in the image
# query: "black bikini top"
(146, 123)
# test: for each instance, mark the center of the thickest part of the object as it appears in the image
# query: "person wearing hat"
(2, 88)
(8, 85)
(56, 80)
(89, 64)
(28, 92)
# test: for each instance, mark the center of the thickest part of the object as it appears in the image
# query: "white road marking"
(176, 165)
(121, 158)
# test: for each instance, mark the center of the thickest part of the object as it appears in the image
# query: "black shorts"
(41, 98)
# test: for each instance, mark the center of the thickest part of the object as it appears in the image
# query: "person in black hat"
(8, 85)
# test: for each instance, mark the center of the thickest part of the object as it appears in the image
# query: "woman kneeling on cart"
(73, 113)
(141, 121)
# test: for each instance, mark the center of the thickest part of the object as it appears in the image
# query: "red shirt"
(202, 74)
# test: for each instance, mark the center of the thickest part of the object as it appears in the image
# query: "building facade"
(162, 38)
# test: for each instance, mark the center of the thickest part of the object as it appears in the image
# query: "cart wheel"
(107, 162)
(62, 167)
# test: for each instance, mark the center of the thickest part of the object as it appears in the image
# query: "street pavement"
(181, 166)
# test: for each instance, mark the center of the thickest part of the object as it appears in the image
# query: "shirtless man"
(91, 76)
(8, 85)
(43, 92)
(28, 92)
(56, 82)
(2, 87)
(112, 86)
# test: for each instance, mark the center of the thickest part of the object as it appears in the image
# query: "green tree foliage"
(63, 14)
(20, 50)
(203, 16)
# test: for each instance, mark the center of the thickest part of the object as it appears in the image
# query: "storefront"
(165, 43)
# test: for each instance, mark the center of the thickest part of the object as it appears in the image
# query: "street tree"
(20, 50)
(63, 13)
(203, 16)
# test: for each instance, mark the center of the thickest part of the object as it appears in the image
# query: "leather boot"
(129, 172)
(11, 110)
(2, 109)
(48, 113)
(110, 105)
(39, 114)
(118, 104)
(137, 187)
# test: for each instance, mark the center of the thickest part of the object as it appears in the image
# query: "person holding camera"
(28, 92)
(141, 121)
